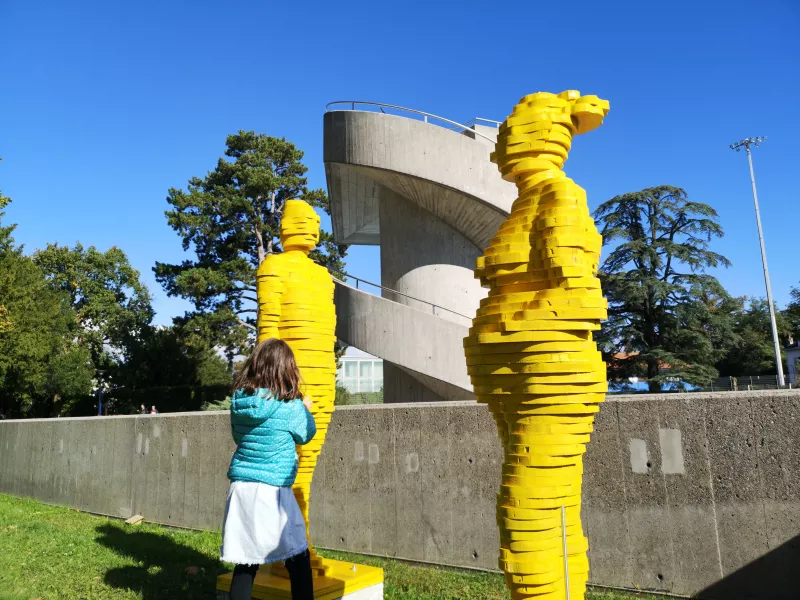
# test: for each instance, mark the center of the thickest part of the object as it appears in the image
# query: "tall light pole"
(746, 143)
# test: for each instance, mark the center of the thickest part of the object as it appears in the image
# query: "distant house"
(360, 372)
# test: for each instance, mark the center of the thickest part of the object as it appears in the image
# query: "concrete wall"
(691, 494)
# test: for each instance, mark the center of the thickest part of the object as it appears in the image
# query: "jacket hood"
(241, 399)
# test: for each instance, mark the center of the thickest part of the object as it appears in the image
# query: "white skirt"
(262, 524)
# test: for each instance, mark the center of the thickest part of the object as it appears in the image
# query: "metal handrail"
(425, 115)
(357, 279)
(476, 119)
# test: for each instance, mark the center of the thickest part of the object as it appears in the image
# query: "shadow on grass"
(163, 562)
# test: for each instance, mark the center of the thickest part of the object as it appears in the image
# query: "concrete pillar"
(425, 258)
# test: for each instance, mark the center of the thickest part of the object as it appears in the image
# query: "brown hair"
(271, 366)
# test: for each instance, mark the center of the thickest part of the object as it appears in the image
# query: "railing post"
(426, 118)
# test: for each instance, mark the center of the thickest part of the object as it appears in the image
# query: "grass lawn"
(53, 553)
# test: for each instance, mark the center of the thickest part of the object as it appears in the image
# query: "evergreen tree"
(230, 220)
(661, 300)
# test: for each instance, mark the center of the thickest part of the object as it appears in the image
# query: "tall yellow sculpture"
(530, 352)
(295, 304)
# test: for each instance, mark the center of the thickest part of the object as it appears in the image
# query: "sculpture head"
(588, 112)
(299, 226)
(537, 136)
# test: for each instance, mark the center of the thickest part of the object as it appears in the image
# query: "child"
(263, 522)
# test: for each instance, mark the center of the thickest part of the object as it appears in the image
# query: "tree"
(230, 219)
(752, 351)
(660, 298)
(167, 356)
(6, 241)
(111, 305)
(792, 313)
(40, 363)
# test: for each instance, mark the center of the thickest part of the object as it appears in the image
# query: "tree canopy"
(752, 351)
(111, 304)
(655, 282)
(41, 364)
(230, 220)
(792, 313)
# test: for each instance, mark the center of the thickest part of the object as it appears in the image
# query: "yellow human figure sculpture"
(295, 304)
(530, 353)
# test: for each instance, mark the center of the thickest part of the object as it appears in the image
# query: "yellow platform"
(344, 578)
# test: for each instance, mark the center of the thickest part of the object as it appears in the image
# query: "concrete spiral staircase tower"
(431, 199)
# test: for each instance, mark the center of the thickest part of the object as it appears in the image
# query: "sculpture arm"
(270, 289)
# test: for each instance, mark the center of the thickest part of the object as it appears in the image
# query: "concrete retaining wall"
(691, 494)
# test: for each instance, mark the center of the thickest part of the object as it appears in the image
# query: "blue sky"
(104, 106)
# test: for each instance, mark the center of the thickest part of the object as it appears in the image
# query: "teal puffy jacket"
(266, 431)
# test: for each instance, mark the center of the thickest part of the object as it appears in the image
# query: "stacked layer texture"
(295, 304)
(530, 352)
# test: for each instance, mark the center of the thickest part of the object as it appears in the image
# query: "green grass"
(56, 553)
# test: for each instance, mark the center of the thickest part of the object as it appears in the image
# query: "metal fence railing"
(406, 112)
(743, 383)
(429, 306)
(747, 383)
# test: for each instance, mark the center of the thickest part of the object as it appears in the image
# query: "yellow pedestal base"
(340, 581)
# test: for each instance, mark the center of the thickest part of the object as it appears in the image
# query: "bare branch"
(246, 324)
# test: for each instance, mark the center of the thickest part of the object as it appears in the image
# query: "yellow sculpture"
(530, 353)
(295, 304)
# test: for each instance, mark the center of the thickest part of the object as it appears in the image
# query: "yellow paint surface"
(295, 304)
(530, 353)
(339, 580)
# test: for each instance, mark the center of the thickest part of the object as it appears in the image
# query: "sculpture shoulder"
(271, 265)
(321, 271)
(283, 264)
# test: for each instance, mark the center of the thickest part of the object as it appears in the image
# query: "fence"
(742, 383)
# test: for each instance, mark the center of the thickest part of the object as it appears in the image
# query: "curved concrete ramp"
(443, 171)
(432, 199)
(425, 346)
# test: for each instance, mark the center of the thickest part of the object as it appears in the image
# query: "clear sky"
(105, 105)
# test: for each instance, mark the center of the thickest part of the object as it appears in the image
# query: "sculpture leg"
(538, 480)
(316, 367)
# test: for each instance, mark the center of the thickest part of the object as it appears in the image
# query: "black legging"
(299, 567)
